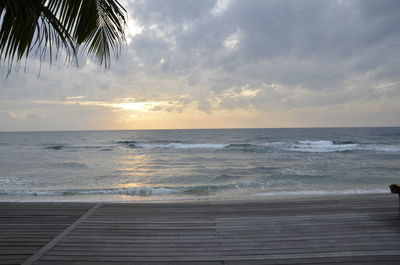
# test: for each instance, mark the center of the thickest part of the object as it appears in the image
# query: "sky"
(224, 64)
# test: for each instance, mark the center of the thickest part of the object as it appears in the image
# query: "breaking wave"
(176, 145)
(382, 148)
(73, 147)
(183, 146)
(321, 146)
(306, 146)
(181, 191)
(142, 191)
(126, 142)
(323, 192)
(136, 191)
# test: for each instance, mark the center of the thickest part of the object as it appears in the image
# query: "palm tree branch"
(45, 26)
(96, 25)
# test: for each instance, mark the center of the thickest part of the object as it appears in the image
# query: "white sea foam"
(323, 192)
(148, 191)
(12, 181)
(182, 146)
(6, 180)
(140, 191)
(273, 144)
(382, 148)
(178, 193)
(320, 147)
(136, 191)
(300, 171)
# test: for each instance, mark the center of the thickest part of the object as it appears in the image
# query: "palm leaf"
(46, 26)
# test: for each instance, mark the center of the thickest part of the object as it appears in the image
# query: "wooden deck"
(357, 229)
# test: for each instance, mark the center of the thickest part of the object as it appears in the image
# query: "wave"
(212, 189)
(55, 147)
(128, 143)
(178, 145)
(344, 142)
(106, 149)
(74, 147)
(66, 146)
(322, 192)
(183, 191)
(382, 148)
(140, 191)
(72, 165)
(321, 147)
(175, 145)
(166, 141)
(306, 146)
(248, 147)
(242, 145)
(182, 146)
(135, 191)
(164, 144)
(224, 178)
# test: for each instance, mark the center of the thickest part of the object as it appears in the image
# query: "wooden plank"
(208, 246)
(116, 257)
(59, 237)
(360, 229)
(58, 262)
(26, 227)
(217, 253)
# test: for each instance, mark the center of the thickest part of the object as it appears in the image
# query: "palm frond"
(96, 25)
(46, 26)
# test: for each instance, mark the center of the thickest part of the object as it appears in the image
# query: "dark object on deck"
(394, 188)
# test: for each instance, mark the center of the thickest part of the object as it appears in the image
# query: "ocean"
(179, 165)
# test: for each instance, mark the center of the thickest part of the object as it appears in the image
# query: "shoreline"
(273, 196)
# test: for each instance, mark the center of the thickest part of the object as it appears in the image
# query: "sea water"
(170, 165)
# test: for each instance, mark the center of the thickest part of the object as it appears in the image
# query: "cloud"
(264, 56)
(34, 116)
(4, 115)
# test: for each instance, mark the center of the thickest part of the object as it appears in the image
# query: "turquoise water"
(196, 164)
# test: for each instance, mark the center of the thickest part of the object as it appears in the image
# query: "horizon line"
(182, 129)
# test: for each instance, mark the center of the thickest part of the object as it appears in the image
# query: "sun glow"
(136, 106)
(120, 104)
(131, 185)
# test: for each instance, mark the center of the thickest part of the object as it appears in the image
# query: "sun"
(136, 106)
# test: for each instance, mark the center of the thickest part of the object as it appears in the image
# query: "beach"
(331, 229)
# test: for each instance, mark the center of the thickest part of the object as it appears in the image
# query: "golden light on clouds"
(137, 106)
(132, 105)
(122, 104)
(131, 113)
